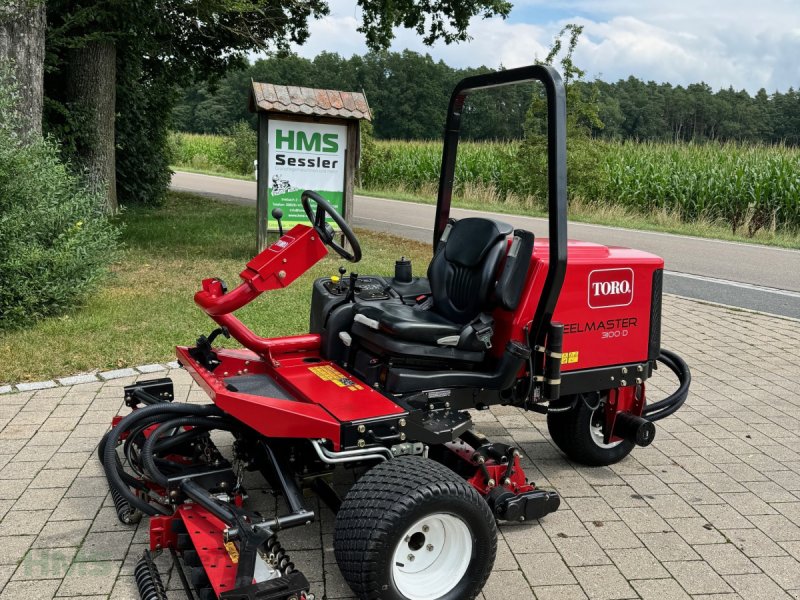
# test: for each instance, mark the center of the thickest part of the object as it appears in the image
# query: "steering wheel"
(325, 231)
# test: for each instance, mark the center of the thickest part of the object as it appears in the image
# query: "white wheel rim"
(432, 557)
(596, 429)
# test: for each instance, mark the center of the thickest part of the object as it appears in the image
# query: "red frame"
(325, 396)
(594, 336)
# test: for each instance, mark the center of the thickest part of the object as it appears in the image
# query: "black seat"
(462, 277)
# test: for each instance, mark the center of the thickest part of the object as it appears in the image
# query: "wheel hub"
(432, 557)
(596, 428)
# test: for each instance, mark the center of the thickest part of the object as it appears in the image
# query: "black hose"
(110, 458)
(147, 454)
(670, 404)
(178, 439)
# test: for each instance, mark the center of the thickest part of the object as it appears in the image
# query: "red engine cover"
(604, 304)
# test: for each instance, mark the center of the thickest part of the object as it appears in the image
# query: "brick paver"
(710, 510)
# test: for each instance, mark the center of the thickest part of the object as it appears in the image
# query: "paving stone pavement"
(710, 510)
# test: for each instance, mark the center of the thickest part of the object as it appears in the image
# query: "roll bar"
(556, 174)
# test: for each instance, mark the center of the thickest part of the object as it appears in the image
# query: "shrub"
(55, 241)
(240, 148)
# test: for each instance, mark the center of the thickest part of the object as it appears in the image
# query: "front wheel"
(578, 431)
(411, 529)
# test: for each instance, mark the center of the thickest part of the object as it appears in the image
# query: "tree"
(177, 40)
(22, 27)
(582, 118)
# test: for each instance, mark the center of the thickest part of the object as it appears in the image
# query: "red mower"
(383, 384)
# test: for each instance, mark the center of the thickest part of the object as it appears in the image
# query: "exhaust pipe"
(634, 429)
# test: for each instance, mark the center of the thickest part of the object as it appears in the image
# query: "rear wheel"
(411, 529)
(578, 431)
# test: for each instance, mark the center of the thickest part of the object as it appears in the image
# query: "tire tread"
(376, 505)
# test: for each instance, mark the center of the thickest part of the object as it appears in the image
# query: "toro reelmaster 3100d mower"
(384, 382)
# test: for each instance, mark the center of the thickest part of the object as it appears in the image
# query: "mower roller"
(384, 383)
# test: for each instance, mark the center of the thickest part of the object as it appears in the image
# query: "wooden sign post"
(308, 139)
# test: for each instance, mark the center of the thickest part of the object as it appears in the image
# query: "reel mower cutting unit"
(384, 383)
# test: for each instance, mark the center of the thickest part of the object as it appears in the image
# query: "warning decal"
(328, 373)
(567, 358)
(232, 552)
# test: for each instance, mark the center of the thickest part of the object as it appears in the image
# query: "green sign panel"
(304, 156)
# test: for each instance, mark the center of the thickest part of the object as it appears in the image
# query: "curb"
(101, 377)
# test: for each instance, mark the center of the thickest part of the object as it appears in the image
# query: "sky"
(747, 44)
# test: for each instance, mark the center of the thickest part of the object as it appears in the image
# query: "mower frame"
(296, 412)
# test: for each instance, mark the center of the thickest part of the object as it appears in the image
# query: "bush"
(55, 241)
(241, 148)
(142, 129)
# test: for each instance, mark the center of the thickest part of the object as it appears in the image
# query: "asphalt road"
(737, 274)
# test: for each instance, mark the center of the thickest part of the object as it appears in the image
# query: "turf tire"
(389, 499)
(571, 432)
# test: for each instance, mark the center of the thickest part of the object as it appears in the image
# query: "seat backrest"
(463, 271)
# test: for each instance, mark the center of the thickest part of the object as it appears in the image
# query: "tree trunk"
(92, 94)
(22, 28)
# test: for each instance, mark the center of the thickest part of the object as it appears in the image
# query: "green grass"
(726, 191)
(146, 307)
(610, 215)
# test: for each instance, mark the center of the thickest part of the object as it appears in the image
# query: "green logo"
(298, 140)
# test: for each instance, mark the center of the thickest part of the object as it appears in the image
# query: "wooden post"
(322, 135)
(351, 164)
(262, 181)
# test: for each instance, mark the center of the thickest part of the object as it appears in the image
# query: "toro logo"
(610, 287)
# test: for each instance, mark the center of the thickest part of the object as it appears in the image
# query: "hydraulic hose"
(147, 455)
(670, 404)
(110, 441)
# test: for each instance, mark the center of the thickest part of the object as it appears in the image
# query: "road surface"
(737, 274)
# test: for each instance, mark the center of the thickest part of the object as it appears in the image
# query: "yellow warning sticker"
(328, 373)
(233, 552)
(567, 358)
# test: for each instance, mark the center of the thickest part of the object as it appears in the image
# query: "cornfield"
(199, 151)
(747, 187)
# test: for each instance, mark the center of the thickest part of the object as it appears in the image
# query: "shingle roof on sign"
(308, 101)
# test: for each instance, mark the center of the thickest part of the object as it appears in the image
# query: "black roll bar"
(556, 175)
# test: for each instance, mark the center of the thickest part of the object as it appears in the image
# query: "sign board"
(304, 156)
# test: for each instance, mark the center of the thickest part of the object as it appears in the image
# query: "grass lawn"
(146, 306)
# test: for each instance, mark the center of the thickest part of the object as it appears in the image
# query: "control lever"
(351, 291)
(277, 214)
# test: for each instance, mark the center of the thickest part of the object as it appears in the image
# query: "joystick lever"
(277, 214)
(351, 291)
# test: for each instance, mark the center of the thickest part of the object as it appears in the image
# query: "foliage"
(628, 109)
(202, 151)
(407, 92)
(754, 186)
(145, 98)
(146, 309)
(584, 157)
(744, 186)
(162, 44)
(56, 243)
(240, 148)
(750, 186)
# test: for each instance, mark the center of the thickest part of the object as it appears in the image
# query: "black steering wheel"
(325, 231)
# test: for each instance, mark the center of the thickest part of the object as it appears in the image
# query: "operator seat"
(463, 277)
